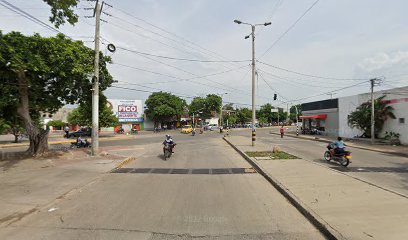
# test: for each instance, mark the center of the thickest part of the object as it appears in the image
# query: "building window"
(401, 120)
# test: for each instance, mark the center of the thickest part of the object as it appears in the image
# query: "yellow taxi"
(186, 129)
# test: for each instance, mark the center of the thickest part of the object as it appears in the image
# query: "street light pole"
(95, 87)
(253, 74)
(253, 87)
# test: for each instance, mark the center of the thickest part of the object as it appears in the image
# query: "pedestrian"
(66, 130)
(282, 131)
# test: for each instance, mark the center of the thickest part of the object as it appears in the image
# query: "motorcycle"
(84, 144)
(342, 158)
(167, 150)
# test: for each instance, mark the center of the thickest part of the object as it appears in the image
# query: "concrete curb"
(125, 162)
(316, 220)
(351, 146)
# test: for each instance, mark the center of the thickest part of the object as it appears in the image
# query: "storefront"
(320, 117)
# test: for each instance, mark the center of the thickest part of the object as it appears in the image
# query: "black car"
(84, 132)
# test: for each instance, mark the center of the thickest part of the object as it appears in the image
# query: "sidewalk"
(30, 184)
(341, 206)
(401, 151)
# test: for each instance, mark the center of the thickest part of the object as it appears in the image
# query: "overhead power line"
(325, 93)
(273, 89)
(28, 16)
(181, 59)
(217, 55)
(175, 77)
(313, 76)
(183, 96)
(290, 28)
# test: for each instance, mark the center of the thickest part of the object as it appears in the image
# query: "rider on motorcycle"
(170, 141)
(339, 146)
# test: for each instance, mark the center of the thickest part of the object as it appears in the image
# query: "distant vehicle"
(186, 129)
(212, 127)
(83, 132)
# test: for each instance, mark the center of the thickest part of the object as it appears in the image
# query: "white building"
(331, 116)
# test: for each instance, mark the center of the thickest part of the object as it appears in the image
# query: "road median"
(341, 207)
(349, 144)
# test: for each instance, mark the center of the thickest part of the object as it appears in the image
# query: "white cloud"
(384, 61)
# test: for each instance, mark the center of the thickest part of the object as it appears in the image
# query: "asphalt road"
(384, 170)
(204, 203)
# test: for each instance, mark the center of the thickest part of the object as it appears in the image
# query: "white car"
(212, 127)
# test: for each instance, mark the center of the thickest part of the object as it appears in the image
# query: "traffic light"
(275, 96)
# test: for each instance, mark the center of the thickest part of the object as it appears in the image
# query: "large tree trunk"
(38, 137)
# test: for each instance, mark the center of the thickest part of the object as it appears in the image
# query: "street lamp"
(253, 73)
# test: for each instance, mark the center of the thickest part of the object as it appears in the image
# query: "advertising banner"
(127, 110)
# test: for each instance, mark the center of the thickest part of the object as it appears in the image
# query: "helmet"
(168, 136)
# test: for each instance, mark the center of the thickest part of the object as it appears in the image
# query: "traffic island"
(271, 155)
(340, 206)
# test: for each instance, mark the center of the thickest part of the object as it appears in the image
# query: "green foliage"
(244, 115)
(392, 135)
(211, 103)
(164, 107)
(58, 70)
(82, 115)
(292, 112)
(62, 11)
(361, 117)
(56, 123)
(232, 119)
(55, 71)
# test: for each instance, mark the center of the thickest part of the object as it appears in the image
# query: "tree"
(244, 115)
(82, 115)
(361, 117)
(211, 103)
(42, 75)
(56, 123)
(164, 107)
(265, 113)
(292, 111)
(62, 11)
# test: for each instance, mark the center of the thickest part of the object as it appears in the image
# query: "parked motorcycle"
(84, 144)
(167, 150)
(342, 158)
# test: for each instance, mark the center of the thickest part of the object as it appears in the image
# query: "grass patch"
(272, 155)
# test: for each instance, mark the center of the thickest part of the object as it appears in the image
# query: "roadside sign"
(274, 110)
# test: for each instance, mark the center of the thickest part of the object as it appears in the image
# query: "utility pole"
(374, 81)
(297, 122)
(253, 87)
(372, 110)
(287, 113)
(95, 88)
(253, 74)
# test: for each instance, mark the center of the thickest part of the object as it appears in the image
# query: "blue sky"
(336, 39)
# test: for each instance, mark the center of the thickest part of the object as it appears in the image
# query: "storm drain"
(205, 171)
(372, 169)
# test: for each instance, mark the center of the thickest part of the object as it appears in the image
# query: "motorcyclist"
(339, 146)
(169, 141)
(80, 141)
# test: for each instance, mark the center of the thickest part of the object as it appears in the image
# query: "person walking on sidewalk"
(282, 131)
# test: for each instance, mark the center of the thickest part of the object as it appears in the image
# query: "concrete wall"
(331, 123)
(399, 100)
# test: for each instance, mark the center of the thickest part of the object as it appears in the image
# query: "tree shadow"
(9, 160)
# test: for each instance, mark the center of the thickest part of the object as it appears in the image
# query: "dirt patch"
(271, 155)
